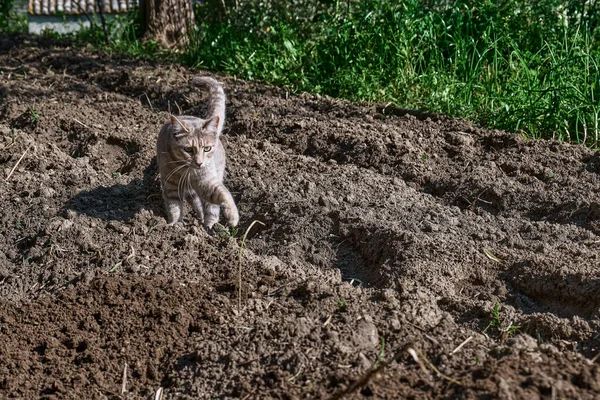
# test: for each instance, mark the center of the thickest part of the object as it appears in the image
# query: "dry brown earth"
(388, 242)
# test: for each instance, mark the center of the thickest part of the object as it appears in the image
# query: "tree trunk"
(168, 21)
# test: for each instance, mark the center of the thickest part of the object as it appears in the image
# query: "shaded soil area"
(399, 257)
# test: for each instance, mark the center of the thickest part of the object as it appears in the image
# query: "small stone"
(134, 268)
(399, 182)
(309, 187)
(87, 276)
(504, 389)
(430, 227)
(45, 192)
(66, 224)
(366, 335)
(364, 362)
(302, 327)
(395, 324)
(322, 201)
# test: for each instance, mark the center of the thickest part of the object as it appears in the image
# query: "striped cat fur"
(191, 161)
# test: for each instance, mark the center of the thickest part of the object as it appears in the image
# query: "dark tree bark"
(168, 21)
(100, 8)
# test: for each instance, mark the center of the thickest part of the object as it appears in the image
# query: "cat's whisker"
(176, 161)
(186, 177)
(180, 189)
(172, 173)
(189, 183)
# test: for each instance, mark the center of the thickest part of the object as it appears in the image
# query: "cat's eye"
(189, 150)
(207, 149)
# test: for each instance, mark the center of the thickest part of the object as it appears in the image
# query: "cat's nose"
(199, 163)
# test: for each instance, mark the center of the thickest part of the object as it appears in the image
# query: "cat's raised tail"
(216, 101)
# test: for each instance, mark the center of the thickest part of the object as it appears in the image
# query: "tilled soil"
(399, 257)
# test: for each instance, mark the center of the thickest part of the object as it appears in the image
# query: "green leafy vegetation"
(523, 66)
(34, 117)
(125, 33)
(503, 326)
(11, 21)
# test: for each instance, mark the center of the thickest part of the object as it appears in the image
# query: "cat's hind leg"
(174, 208)
(196, 204)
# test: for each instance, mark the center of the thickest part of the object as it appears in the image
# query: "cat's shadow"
(120, 202)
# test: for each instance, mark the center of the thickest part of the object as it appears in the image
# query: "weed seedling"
(505, 326)
(495, 321)
(117, 265)
(342, 304)
(381, 353)
(34, 117)
(13, 138)
(227, 231)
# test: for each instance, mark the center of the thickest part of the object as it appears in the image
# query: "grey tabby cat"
(191, 161)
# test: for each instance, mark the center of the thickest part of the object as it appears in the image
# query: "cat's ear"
(177, 127)
(211, 125)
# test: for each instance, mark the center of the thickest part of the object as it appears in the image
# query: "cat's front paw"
(176, 224)
(212, 230)
(231, 215)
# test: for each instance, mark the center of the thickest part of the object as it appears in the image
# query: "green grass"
(34, 117)
(493, 63)
(125, 35)
(522, 66)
